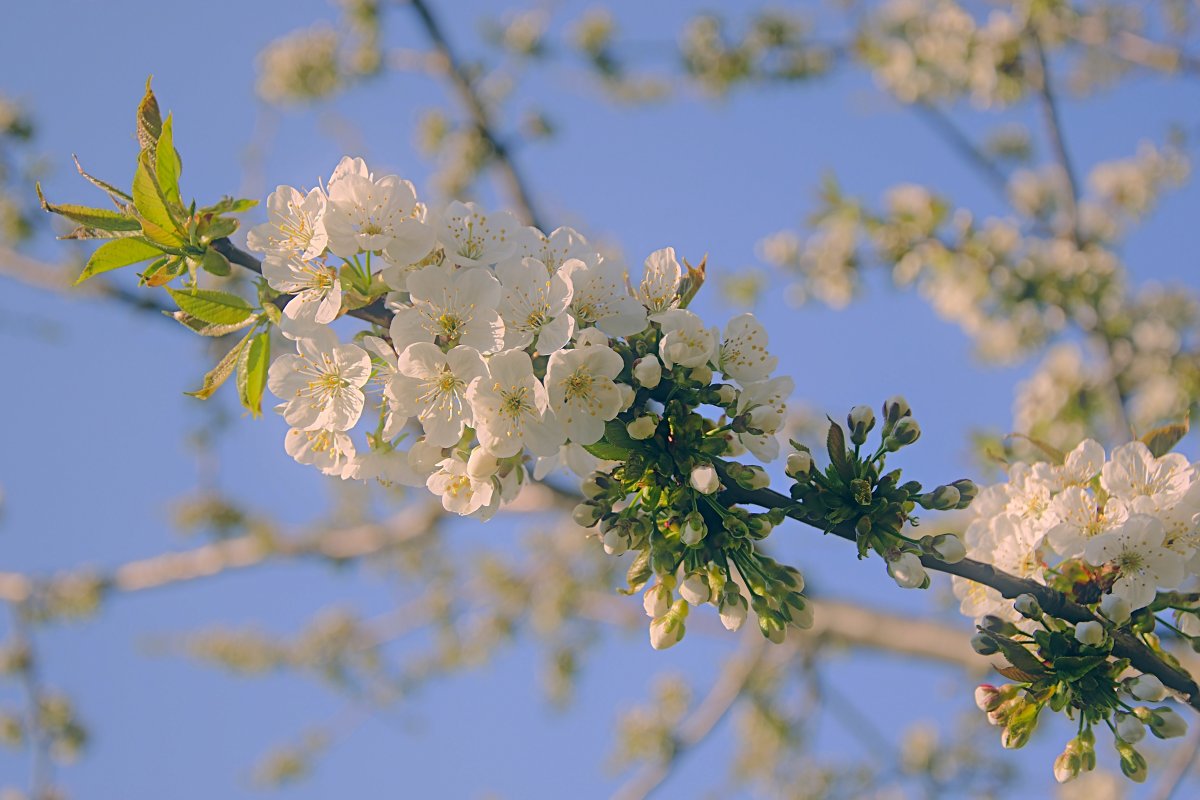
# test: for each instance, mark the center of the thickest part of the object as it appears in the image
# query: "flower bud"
(943, 498)
(948, 548)
(616, 541)
(643, 427)
(1166, 724)
(694, 530)
(1022, 721)
(799, 465)
(907, 571)
(1129, 727)
(988, 698)
(1116, 608)
(593, 485)
(1090, 632)
(1133, 765)
(772, 627)
(586, 514)
(754, 478)
(906, 432)
(647, 371)
(668, 629)
(1069, 763)
(860, 420)
(802, 612)
(657, 600)
(895, 408)
(727, 394)
(589, 337)
(695, 589)
(702, 374)
(704, 479)
(628, 395)
(983, 644)
(481, 464)
(733, 609)
(967, 491)
(1147, 688)
(1027, 606)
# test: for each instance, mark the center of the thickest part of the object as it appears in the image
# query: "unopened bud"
(726, 394)
(647, 371)
(733, 609)
(943, 498)
(1090, 632)
(860, 420)
(983, 644)
(905, 433)
(481, 464)
(987, 697)
(694, 530)
(1147, 688)
(1027, 606)
(895, 408)
(657, 600)
(642, 427)
(595, 485)
(1116, 608)
(702, 374)
(616, 541)
(799, 465)
(704, 479)
(668, 629)
(1166, 724)
(906, 569)
(1069, 763)
(695, 589)
(587, 514)
(949, 548)
(1133, 764)
(967, 491)
(1129, 727)
(628, 395)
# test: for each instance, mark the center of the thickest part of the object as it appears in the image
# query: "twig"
(1054, 130)
(944, 126)
(517, 188)
(701, 722)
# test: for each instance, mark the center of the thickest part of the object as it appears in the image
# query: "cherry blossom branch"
(480, 116)
(1055, 603)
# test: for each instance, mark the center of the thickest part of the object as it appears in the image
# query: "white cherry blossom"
(659, 288)
(533, 306)
(511, 409)
(432, 386)
(555, 249)
(743, 355)
(373, 215)
(474, 238)
(460, 493)
(598, 297)
(315, 284)
(581, 389)
(321, 385)
(1143, 565)
(329, 451)
(451, 307)
(1134, 472)
(295, 227)
(686, 341)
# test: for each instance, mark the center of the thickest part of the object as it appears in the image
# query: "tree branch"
(1055, 603)
(517, 188)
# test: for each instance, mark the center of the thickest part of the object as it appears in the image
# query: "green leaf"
(1019, 656)
(162, 272)
(203, 328)
(252, 372)
(101, 218)
(215, 264)
(152, 206)
(116, 254)
(166, 163)
(227, 205)
(835, 443)
(607, 451)
(119, 197)
(1162, 440)
(221, 372)
(218, 308)
(149, 119)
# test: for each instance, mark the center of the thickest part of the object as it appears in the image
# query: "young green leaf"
(227, 205)
(101, 218)
(116, 254)
(203, 328)
(221, 372)
(152, 206)
(167, 165)
(1162, 440)
(252, 372)
(217, 308)
(119, 197)
(149, 119)
(835, 443)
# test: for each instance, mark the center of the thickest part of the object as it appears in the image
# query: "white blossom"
(743, 355)
(581, 389)
(686, 341)
(659, 288)
(371, 214)
(599, 298)
(1142, 563)
(451, 307)
(460, 492)
(511, 409)
(294, 228)
(474, 238)
(432, 386)
(330, 451)
(321, 385)
(533, 306)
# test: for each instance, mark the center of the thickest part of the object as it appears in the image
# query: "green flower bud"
(860, 421)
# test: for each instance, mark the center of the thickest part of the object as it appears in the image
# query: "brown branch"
(1054, 130)
(1055, 603)
(460, 79)
(703, 719)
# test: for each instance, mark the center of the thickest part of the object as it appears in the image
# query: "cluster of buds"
(856, 492)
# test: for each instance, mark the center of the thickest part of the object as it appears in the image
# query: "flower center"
(515, 401)
(578, 385)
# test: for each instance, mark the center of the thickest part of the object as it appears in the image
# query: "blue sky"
(98, 452)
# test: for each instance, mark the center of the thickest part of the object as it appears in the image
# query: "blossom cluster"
(507, 345)
(1129, 520)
